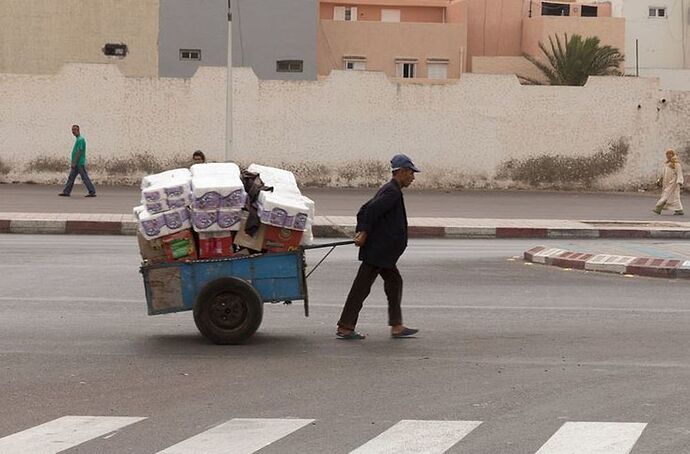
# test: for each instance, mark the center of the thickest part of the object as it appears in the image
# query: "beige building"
(441, 39)
(500, 31)
(402, 38)
(40, 36)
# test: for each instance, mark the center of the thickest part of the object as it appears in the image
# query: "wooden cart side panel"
(174, 287)
(164, 290)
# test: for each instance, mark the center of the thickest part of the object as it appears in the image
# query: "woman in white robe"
(671, 183)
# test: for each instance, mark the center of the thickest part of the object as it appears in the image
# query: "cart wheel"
(228, 311)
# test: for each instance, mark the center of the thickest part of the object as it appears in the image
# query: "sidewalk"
(36, 209)
(627, 206)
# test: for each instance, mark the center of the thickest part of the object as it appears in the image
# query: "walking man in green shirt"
(78, 165)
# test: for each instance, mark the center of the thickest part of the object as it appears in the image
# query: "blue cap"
(401, 161)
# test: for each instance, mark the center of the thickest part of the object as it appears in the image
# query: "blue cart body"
(277, 277)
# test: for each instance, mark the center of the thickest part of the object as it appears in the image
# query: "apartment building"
(657, 34)
(143, 38)
(276, 38)
(500, 31)
(420, 39)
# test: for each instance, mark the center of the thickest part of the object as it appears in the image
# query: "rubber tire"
(241, 293)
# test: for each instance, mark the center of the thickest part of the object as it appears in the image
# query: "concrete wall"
(662, 41)
(368, 12)
(494, 27)
(198, 24)
(119, 116)
(669, 79)
(264, 31)
(506, 65)
(481, 131)
(39, 36)
(382, 42)
(609, 30)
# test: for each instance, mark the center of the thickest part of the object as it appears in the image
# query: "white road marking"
(594, 438)
(238, 436)
(62, 433)
(415, 436)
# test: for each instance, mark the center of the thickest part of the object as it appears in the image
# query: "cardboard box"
(179, 246)
(151, 250)
(255, 242)
(279, 239)
(215, 244)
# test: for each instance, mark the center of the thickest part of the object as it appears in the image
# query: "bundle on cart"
(215, 210)
(163, 217)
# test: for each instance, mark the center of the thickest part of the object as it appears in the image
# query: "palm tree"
(572, 62)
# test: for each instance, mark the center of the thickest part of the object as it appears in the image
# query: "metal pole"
(228, 90)
(637, 58)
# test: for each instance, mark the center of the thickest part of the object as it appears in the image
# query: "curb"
(332, 227)
(608, 263)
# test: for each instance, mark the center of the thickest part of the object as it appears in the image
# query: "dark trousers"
(392, 285)
(81, 171)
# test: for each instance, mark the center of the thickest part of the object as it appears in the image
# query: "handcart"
(226, 295)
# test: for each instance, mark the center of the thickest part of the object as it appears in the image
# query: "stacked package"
(286, 214)
(204, 212)
(218, 197)
(163, 216)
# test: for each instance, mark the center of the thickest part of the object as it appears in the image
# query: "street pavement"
(511, 358)
(27, 198)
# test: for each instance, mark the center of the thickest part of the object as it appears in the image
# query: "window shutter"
(390, 15)
(437, 70)
(354, 13)
(339, 13)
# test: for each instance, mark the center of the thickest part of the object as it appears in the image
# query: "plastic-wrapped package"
(283, 181)
(215, 168)
(156, 225)
(169, 185)
(216, 220)
(280, 210)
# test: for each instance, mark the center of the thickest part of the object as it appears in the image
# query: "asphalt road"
(345, 202)
(524, 349)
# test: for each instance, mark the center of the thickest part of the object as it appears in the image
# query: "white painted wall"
(460, 133)
(663, 42)
(118, 115)
(343, 130)
(669, 79)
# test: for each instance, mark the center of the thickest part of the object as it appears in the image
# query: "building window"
(588, 11)
(289, 66)
(357, 64)
(390, 15)
(555, 9)
(346, 13)
(115, 50)
(657, 12)
(190, 54)
(406, 69)
(437, 68)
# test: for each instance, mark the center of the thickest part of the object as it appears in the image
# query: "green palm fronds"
(571, 62)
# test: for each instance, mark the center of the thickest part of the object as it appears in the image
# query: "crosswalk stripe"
(62, 433)
(238, 436)
(594, 438)
(415, 436)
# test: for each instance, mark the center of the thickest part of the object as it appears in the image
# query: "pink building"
(403, 38)
(440, 39)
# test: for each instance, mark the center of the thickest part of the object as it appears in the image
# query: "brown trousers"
(361, 287)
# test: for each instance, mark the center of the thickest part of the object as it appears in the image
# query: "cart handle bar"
(323, 245)
(330, 245)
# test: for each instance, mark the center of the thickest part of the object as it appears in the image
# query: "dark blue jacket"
(384, 220)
